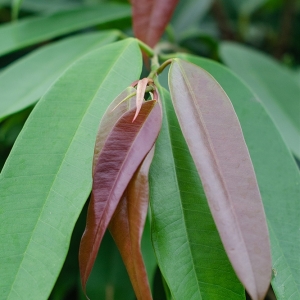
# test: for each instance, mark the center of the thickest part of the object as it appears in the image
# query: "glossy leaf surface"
(189, 251)
(274, 85)
(123, 151)
(215, 140)
(150, 19)
(127, 225)
(114, 111)
(277, 175)
(47, 177)
(33, 30)
(36, 72)
(109, 278)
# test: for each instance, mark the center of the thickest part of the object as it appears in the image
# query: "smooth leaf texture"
(187, 15)
(150, 19)
(30, 31)
(43, 6)
(114, 111)
(47, 177)
(16, 4)
(277, 175)
(189, 251)
(215, 140)
(127, 225)
(274, 85)
(25, 81)
(109, 278)
(124, 149)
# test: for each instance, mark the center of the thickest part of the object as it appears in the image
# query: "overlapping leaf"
(123, 151)
(127, 223)
(189, 251)
(274, 85)
(47, 177)
(216, 143)
(127, 227)
(30, 31)
(150, 19)
(277, 175)
(21, 88)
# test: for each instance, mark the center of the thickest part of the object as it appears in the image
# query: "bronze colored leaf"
(150, 19)
(114, 111)
(215, 140)
(127, 224)
(124, 150)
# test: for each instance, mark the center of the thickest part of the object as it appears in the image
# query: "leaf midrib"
(63, 160)
(182, 210)
(211, 148)
(62, 69)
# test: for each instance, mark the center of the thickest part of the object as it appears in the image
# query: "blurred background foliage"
(198, 27)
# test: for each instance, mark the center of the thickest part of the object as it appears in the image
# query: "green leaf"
(30, 31)
(215, 140)
(16, 4)
(277, 175)
(274, 85)
(188, 13)
(47, 177)
(187, 244)
(26, 80)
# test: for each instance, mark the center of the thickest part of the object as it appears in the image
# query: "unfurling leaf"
(150, 19)
(124, 150)
(215, 140)
(127, 226)
(140, 92)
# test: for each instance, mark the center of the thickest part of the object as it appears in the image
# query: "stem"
(146, 49)
(157, 69)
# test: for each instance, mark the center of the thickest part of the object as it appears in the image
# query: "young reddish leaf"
(215, 140)
(114, 111)
(123, 151)
(150, 19)
(140, 92)
(127, 225)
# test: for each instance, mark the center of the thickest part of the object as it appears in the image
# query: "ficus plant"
(186, 164)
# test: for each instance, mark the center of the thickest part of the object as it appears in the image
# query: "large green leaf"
(274, 85)
(187, 244)
(33, 30)
(26, 80)
(277, 176)
(47, 177)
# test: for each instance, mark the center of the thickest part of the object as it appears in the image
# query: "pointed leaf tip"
(215, 140)
(124, 149)
(127, 225)
(140, 92)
